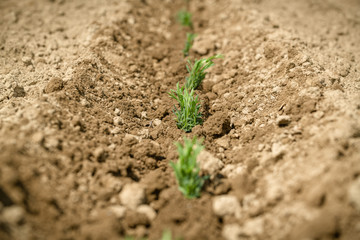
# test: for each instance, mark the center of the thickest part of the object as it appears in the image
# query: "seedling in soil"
(197, 71)
(188, 116)
(184, 17)
(165, 236)
(189, 42)
(168, 236)
(186, 168)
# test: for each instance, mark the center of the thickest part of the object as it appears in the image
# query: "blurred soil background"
(87, 130)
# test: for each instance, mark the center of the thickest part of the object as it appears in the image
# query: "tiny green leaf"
(186, 168)
(184, 18)
(188, 115)
(197, 71)
(189, 42)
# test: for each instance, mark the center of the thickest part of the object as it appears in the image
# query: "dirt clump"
(87, 128)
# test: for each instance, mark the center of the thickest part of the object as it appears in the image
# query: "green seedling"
(184, 18)
(189, 42)
(165, 236)
(186, 168)
(197, 71)
(188, 115)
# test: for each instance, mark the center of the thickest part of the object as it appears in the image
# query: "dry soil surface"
(87, 129)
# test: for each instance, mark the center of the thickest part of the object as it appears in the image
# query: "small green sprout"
(184, 18)
(189, 42)
(186, 168)
(165, 236)
(197, 71)
(188, 116)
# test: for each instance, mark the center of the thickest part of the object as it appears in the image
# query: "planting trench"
(87, 129)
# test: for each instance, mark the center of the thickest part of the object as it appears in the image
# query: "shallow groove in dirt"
(87, 129)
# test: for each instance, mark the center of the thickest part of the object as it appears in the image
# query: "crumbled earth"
(87, 129)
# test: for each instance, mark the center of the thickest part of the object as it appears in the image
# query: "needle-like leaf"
(186, 168)
(188, 115)
(189, 42)
(197, 71)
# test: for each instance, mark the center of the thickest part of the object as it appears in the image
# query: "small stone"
(283, 121)
(203, 46)
(133, 68)
(115, 130)
(85, 103)
(131, 20)
(319, 114)
(54, 85)
(208, 163)
(132, 195)
(223, 142)
(130, 139)
(261, 147)
(156, 122)
(234, 170)
(100, 154)
(51, 143)
(118, 120)
(332, 75)
(111, 183)
(117, 112)
(257, 56)
(232, 232)
(118, 210)
(278, 150)
(226, 205)
(19, 91)
(354, 194)
(254, 227)
(13, 214)
(144, 133)
(38, 137)
(26, 60)
(148, 211)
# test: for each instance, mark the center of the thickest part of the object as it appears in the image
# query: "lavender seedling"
(188, 115)
(186, 168)
(189, 42)
(197, 71)
(184, 18)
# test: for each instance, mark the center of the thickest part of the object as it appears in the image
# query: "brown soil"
(87, 129)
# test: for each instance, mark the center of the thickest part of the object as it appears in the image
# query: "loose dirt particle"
(209, 164)
(232, 232)
(217, 125)
(119, 211)
(132, 195)
(100, 154)
(283, 121)
(54, 85)
(119, 59)
(226, 205)
(19, 91)
(148, 211)
(13, 214)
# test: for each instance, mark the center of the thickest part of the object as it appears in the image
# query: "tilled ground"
(87, 129)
